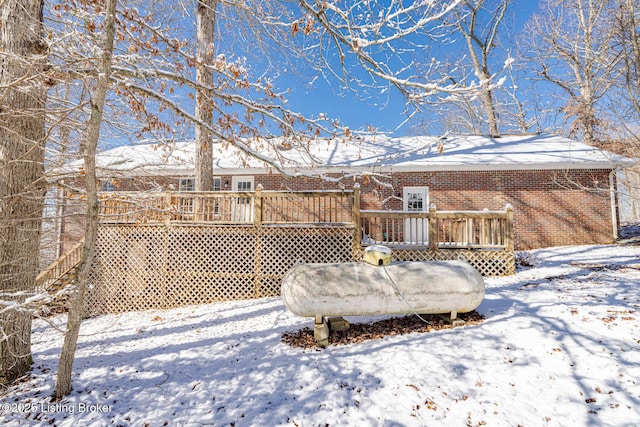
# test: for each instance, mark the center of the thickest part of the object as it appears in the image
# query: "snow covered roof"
(379, 153)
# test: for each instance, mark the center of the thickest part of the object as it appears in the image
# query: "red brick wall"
(551, 208)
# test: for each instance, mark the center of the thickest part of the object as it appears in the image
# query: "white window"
(242, 183)
(107, 185)
(416, 199)
(187, 184)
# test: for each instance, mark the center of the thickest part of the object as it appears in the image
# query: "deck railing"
(225, 207)
(430, 229)
(439, 229)
(60, 267)
(309, 207)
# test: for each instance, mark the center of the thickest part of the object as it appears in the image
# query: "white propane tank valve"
(377, 255)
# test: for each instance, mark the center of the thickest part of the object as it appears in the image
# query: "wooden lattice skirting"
(141, 267)
(487, 262)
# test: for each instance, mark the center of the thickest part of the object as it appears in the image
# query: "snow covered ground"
(560, 346)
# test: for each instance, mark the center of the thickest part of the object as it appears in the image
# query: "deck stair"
(62, 271)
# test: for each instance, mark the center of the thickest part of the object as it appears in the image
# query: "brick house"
(563, 192)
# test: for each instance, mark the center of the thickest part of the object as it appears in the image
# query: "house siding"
(551, 207)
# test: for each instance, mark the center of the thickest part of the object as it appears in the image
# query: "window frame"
(107, 185)
(184, 187)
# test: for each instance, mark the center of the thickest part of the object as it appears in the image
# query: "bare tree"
(479, 23)
(446, 58)
(624, 104)
(371, 45)
(626, 100)
(570, 42)
(490, 54)
(205, 23)
(92, 136)
(22, 138)
(518, 107)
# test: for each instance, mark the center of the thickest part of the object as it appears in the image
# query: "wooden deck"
(164, 250)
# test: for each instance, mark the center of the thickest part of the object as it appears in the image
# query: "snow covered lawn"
(560, 346)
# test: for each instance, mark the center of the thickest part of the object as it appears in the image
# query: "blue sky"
(386, 111)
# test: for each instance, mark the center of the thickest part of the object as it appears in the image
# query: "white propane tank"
(362, 289)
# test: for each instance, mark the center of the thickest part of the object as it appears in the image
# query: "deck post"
(357, 221)
(433, 228)
(257, 222)
(508, 233)
(257, 206)
(167, 212)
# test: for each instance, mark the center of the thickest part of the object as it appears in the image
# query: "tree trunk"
(205, 17)
(22, 185)
(490, 109)
(479, 47)
(76, 310)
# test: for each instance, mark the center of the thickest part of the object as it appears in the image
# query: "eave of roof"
(380, 154)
